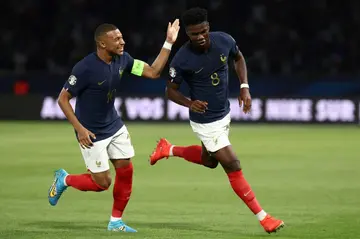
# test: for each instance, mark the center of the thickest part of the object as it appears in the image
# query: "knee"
(212, 164)
(208, 160)
(232, 166)
(104, 182)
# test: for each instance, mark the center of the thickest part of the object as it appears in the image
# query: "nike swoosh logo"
(199, 70)
(245, 194)
(53, 189)
(100, 83)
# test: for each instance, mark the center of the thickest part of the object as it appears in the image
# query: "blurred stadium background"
(299, 146)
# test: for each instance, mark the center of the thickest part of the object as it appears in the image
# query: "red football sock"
(83, 182)
(122, 189)
(190, 153)
(243, 190)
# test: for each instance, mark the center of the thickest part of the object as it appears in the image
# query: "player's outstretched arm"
(154, 71)
(83, 134)
(173, 94)
(241, 71)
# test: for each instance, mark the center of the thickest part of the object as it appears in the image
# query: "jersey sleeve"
(129, 62)
(232, 44)
(77, 81)
(175, 72)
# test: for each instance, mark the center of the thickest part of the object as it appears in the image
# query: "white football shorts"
(117, 146)
(214, 135)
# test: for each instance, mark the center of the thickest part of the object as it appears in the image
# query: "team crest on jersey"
(72, 80)
(223, 58)
(172, 72)
(121, 71)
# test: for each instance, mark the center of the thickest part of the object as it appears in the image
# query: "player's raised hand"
(245, 100)
(84, 137)
(198, 106)
(172, 31)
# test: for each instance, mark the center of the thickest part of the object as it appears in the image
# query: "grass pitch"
(309, 176)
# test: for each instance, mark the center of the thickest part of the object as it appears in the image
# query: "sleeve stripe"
(138, 67)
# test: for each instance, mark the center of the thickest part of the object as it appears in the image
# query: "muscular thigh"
(207, 159)
(120, 163)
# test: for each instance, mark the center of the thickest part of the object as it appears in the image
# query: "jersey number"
(110, 95)
(215, 80)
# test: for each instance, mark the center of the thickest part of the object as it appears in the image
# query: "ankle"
(171, 150)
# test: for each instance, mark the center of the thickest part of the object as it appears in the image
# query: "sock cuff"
(171, 150)
(235, 174)
(65, 180)
(129, 167)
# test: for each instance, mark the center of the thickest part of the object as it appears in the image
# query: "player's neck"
(198, 49)
(104, 56)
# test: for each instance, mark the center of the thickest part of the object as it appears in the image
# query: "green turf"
(309, 176)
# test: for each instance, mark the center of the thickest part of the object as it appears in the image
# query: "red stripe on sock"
(122, 189)
(190, 153)
(242, 188)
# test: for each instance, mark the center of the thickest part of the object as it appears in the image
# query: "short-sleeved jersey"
(94, 82)
(206, 74)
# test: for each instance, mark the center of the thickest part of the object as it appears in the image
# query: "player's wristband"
(244, 86)
(167, 45)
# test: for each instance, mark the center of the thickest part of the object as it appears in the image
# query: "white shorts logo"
(72, 80)
(172, 72)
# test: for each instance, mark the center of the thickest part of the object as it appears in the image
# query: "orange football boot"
(271, 224)
(161, 151)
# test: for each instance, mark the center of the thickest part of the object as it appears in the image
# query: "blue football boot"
(57, 187)
(119, 226)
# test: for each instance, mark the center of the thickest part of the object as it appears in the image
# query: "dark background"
(292, 48)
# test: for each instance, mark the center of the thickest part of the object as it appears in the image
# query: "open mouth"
(201, 43)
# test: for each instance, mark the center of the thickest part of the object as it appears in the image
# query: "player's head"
(197, 26)
(109, 38)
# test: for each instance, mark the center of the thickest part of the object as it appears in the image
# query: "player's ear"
(102, 44)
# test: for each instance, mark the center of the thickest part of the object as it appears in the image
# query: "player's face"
(199, 34)
(114, 42)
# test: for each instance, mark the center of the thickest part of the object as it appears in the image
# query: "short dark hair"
(194, 16)
(103, 29)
